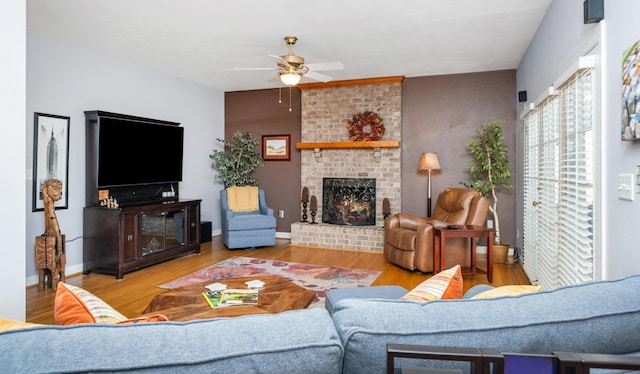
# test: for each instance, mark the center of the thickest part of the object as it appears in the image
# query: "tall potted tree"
(237, 161)
(490, 171)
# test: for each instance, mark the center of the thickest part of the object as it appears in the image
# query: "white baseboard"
(33, 280)
(279, 235)
(481, 250)
(283, 235)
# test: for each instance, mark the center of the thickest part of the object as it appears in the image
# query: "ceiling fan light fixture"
(290, 78)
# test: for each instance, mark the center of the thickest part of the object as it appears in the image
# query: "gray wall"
(66, 80)
(560, 38)
(12, 144)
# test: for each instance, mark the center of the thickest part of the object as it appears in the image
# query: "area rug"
(317, 278)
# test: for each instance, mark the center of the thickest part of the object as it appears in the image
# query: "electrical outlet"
(281, 213)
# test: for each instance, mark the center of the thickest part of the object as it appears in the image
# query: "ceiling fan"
(291, 68)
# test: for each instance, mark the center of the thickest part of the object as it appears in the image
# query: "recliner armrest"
(438, 224)
(406, 221)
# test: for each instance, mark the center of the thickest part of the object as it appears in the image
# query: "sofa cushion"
(300, 341)
(253, 221)
(510, 290)
(372, 292)
(597, 317)
(243, 199)
(447, 284)
(478, 288)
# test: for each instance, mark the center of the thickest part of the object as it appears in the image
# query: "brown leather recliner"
(408, 240)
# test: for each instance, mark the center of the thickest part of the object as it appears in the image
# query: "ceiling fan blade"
(320, 66)
(318, 76)
(281, 60)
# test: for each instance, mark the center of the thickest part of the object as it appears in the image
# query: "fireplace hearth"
(349, 201)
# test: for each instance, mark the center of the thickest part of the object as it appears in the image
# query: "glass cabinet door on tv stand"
(162, 231)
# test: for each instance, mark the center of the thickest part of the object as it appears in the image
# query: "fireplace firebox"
(349, 201)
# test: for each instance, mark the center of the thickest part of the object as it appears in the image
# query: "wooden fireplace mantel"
(360, 144)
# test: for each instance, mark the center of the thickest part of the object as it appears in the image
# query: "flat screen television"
(133, 152)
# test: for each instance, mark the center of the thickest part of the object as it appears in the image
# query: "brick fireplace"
(326, 109)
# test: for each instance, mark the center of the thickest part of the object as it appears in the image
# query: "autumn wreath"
(366, 126)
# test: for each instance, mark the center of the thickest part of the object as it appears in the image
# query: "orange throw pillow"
(447, 284)
(74, 305)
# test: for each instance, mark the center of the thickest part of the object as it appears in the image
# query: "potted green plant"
(490, 171)
(237, 161)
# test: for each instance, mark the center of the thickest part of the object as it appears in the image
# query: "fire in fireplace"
(349, 201)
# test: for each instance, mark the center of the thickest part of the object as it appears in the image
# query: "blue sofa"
(247, 229)
(302, 341)
(598, 317)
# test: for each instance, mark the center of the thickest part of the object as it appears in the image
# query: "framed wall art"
(630, 94)
(50, 156)
(276, 147)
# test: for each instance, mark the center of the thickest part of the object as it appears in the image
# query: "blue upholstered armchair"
(247, 229)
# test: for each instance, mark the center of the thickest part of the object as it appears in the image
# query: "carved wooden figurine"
(305, 200)
(386, 208)
(314, 208)
(50, 246)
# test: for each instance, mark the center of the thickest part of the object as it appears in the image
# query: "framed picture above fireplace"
(276, 147)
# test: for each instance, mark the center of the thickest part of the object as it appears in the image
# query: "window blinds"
(558, 245)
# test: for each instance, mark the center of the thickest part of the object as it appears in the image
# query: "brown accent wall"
(259, 112)
(440, 114)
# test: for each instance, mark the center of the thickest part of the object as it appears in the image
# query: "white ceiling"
(203, 40)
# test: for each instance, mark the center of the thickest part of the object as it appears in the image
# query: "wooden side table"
(463, 231)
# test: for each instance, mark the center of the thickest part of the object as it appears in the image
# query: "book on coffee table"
(217, 299)
(239, 297)
(213, 298)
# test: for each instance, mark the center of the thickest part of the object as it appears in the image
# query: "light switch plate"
(625, 187)
(638, 179)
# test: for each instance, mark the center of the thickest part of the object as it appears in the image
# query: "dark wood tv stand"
(133, 236)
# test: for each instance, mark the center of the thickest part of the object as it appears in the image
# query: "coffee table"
(187, 303)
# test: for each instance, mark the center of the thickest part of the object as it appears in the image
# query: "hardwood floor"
(134, 292)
